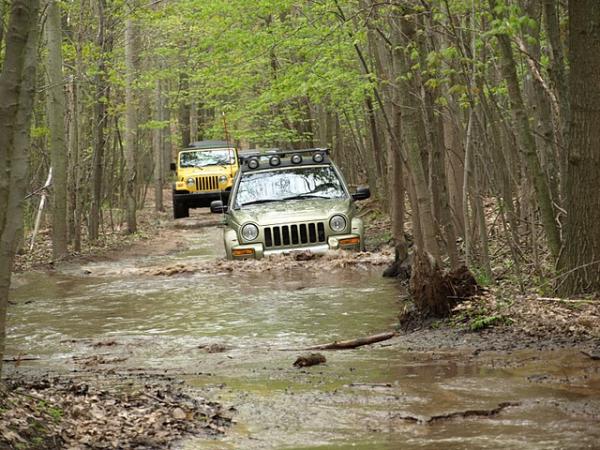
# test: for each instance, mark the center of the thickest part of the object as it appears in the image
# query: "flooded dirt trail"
(229, 334)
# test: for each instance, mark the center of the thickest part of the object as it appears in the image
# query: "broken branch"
(459, 414)
(353, 343)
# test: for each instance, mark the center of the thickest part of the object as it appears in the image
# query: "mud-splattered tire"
(180, 210)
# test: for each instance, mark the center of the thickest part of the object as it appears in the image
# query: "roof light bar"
(318, 157)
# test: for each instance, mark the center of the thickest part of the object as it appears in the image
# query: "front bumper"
(257, 250)
(199, 199)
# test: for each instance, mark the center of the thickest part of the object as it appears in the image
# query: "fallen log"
(353, 343)
(594, 356)
(458, 414)
(567, 300)
(18, 359)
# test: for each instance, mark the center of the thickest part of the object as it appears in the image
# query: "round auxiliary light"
(249, 232)
(223, 179)
(253, 163)
(318, 157)
(274, 160)
(191, 181)
(337, 223)
(296, 158)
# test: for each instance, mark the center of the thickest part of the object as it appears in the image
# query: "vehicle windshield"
(201, 158)
(294, 183)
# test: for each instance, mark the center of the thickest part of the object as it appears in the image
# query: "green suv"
(287, 201)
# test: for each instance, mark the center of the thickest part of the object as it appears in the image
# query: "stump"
(436, 292)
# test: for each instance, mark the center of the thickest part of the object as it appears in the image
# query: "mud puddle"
(229, 335)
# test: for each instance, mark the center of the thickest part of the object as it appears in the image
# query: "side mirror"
(362, 193)
(173, 167)
(217, 206)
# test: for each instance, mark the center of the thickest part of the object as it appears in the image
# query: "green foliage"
(483, 322)
(260, 62)
(483, 279)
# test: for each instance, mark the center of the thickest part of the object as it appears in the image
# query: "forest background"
(474, 122)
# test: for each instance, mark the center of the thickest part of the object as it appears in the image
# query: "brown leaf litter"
(57, 414)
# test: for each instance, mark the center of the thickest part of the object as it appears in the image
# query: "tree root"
(436, 292)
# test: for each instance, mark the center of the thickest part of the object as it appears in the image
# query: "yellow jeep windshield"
(202, 158)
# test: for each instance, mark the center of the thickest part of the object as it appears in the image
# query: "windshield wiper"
(264, 200)
(307, 195)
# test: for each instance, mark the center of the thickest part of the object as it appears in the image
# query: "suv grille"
(210, 183)
(296, 234)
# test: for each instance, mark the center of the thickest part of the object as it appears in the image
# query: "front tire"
(180, 210)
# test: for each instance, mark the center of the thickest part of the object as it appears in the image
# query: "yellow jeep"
(205, 172)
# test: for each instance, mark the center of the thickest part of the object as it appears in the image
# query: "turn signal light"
(243, 252)
(350, 241)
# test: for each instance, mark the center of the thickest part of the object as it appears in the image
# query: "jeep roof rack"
(208, 144)
(283, 158)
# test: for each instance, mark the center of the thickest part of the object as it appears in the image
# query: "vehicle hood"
(292, 211)
(186, 172)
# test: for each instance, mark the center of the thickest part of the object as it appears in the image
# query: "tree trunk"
(56, 124)
(558, 76)
(158, 144)
(413, 127)
(527, 142)
(3, 9)
(580, 258)
(131, 120)
(74, 227)
(184, 111)
(17, 90)
(100, 116)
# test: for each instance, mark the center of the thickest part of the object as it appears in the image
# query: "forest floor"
(56, 413)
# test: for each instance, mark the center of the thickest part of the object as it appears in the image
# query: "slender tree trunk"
(184, 111)
(558, 76)
(17, 90)
(158, 145)
(56, 125)
(194, 121)
(131, 120)
(465, 188)
(413, 127)
(580, 258)
(74, 228)
(527, 142)
(3, 11)
(100, 116)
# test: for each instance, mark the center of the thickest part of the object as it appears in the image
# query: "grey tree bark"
(55, 107)
(17, 91)
(580, 258)
(131, 119)
(158, 144)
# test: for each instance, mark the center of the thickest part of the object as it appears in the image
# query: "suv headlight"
(249, 232)
(337, 223)
(223, 179)
(191, 182)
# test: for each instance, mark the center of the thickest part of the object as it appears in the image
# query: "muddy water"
(105, 318)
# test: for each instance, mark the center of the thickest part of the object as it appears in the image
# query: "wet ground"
(234, 337)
